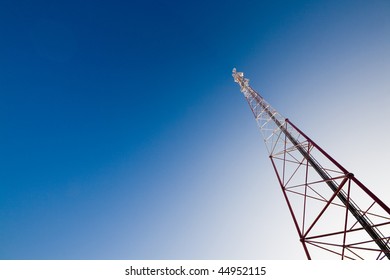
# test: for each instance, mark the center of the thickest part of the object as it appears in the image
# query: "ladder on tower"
(334, 214)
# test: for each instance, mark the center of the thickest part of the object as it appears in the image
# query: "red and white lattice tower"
(336, 216)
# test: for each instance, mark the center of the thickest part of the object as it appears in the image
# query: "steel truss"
(334, 213)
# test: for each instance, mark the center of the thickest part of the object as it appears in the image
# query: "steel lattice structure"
(334, 213)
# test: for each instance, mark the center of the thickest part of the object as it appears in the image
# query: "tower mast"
(332, 210)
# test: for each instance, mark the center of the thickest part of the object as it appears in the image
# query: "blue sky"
(123, 135)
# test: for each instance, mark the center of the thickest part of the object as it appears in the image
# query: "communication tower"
(335, 215)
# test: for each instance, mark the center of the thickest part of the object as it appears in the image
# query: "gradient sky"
(123, 135)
